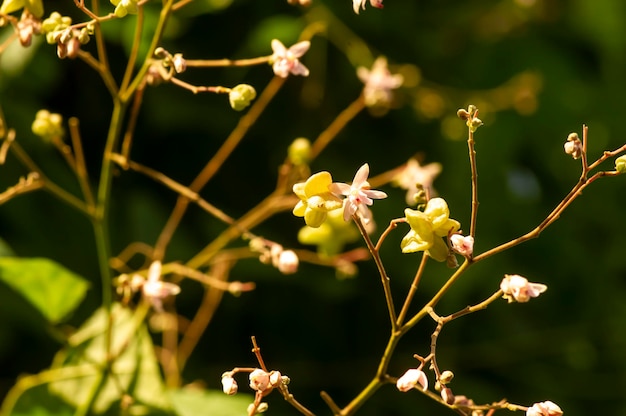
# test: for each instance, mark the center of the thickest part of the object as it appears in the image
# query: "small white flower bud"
(519, 289)
(446, 376)
(288, 262)
(229, 385)
(275, 378)
(544, 409)
(259, 380)
(462, 245)
(447, 396)
(411, 379)
(262, 407)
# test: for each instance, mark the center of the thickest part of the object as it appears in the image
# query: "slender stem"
(472, 157)
(381, 270)
(134, 49)
(207, 63)
(413, 289)
(132, 122)
(80, 166)
(216, 162)
(336, 126)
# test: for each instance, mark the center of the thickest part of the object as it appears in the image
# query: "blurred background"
(537, 70)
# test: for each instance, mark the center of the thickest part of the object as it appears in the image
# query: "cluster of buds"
(573, 146)
(470, 116)
(48, 126)
(286, 261)
(620, 164)
(518, 289)
(241, 96)
(165, 66)
(27, 26)
(261, 381)
(58, 29)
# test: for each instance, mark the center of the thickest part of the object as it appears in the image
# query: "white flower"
(358, 4)
(462, 245)
(359, 195)
(544, 409)
(519, 289)
(285, 61)
(378, 83)
(156, 290)
(414, 175)
(411, 379)
(288, 262)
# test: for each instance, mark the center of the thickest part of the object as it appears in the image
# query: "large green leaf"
(49, 287)
(194, 402)
(134, 372)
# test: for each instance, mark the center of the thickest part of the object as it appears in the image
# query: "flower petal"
(317, 184)
(361, 176)
(300, 48)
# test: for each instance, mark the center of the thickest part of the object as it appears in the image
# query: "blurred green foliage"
(537, 70)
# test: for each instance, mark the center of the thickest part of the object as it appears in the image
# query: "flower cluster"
(48, 126)
(573, 146)
(518, 289)
(428, 228)
(261, 381)
(58, 29)
(319, 195)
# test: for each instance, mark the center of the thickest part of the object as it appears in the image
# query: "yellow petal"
(317, 184)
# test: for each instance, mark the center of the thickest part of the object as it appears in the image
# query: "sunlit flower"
(287, 262)
(358, 195)
(428, 228)
(411, 379)
(285, 61)
(316, 199)
(464, 245)
(378, 83)
(519, 289)
(358, 4)
(35, 7)
(544, 409)
(414, 175)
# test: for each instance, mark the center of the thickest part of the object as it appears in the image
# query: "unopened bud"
(620, 164)
(275, 378)
(474, 124)
(262, 407)
(229, 385)
(288, 262)
(259, 380)
(180, 65)
(573, 146)
(241, 96)
(462, 245)
(447, 396)
(446, 376)
(463, 114)
(299, 151)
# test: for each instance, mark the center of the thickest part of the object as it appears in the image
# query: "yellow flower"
(316, 200)
(428, 229)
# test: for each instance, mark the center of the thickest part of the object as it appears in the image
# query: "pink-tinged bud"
(462, 245)
(519, 289)
(229, 385)
(544, 409)
(288, 262)
(275, 378)
(411, 379)
(259, 380)
(447, 395)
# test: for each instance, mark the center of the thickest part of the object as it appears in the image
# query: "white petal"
(300, 48)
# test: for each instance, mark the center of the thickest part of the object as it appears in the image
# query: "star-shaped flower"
(316, 199)
(378, 83)
(285, 61)
(428, 229)
(358, 195)
(414, 175)
(358, 4)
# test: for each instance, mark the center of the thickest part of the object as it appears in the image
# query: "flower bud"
(474, 124)
(411, 379)
(446, 376)
(229, 385)
(447, 396)
(519, 289)
(275, 378)
(462, 245)
(620, 164)
(48, 125)
(262, 407)
(259, 380)
(180, 65)
(573, 146)
(299, 151)
(241, 96)
(546, 408)
(288, 262)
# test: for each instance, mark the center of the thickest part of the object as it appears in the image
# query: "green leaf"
(194, 402)
(135, 371)
(49, 287)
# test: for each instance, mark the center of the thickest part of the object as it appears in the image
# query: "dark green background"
(567, 346)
